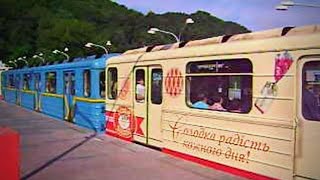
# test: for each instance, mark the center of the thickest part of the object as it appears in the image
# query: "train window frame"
(225, 98)
(308, 88)
(102, 84)
(112, 85)
(26, 84)
(156, 92)
(86, 83)
(52, 89)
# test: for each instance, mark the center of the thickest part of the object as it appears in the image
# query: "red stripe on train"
(218, 166)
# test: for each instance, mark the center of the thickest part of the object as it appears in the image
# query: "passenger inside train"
(217, 103)
(140, 89)
(310, 91)
(202, 102)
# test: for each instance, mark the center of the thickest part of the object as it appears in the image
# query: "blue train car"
(2, 79)
(73, 91)
(11, 87)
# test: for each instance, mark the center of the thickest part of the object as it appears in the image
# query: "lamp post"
(24, 60)
(63, 53)
(39, 56)
(89, 45)
(154, 30)
(285, 4)
(15, 64)
(178, 38)
(188, 21)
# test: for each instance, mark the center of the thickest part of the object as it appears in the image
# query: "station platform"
(54, 149)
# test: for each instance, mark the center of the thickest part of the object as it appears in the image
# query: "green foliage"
(28, 27)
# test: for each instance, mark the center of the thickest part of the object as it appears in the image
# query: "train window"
(37, 83)
(26, 81)
(220, 85)
(112, 83)
(86, 83)
(17, 82)
(102, 83)
(11, 81)
(311, 91)
(51, 82)
(140, 86)
(69, 83)
(156, 86)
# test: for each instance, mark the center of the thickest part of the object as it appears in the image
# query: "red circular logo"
(124, 122)
(174, 82)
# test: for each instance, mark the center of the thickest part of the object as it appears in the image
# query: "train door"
(69, 92)
(148, 102)
(37, 88)
(307, 151)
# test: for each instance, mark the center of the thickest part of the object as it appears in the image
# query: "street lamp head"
(89, 44)
(154, 29)
(151, 31)
(281, 8)
(287, 3)
(189, 21)
(108, 43)
(66, 49)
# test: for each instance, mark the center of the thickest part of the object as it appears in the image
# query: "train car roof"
(273, 33)
(90, 62)
(281, 39)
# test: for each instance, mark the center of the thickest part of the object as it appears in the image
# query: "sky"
(255, 15)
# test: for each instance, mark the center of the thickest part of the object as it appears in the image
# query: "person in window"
(52, 87)
(246, 100)
(25, 84)
(102, 87)
(48, 86)
(86, 84)
(217, 103)
(310, 106)
(86, 91)
(114, 89)
(235, 106)
(202, 102)
(140, 89)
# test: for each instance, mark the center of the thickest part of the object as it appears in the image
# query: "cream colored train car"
(247, 103)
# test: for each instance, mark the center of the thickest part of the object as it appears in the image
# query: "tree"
(33, 26)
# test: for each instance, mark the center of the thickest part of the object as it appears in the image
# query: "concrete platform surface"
(58, 150)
